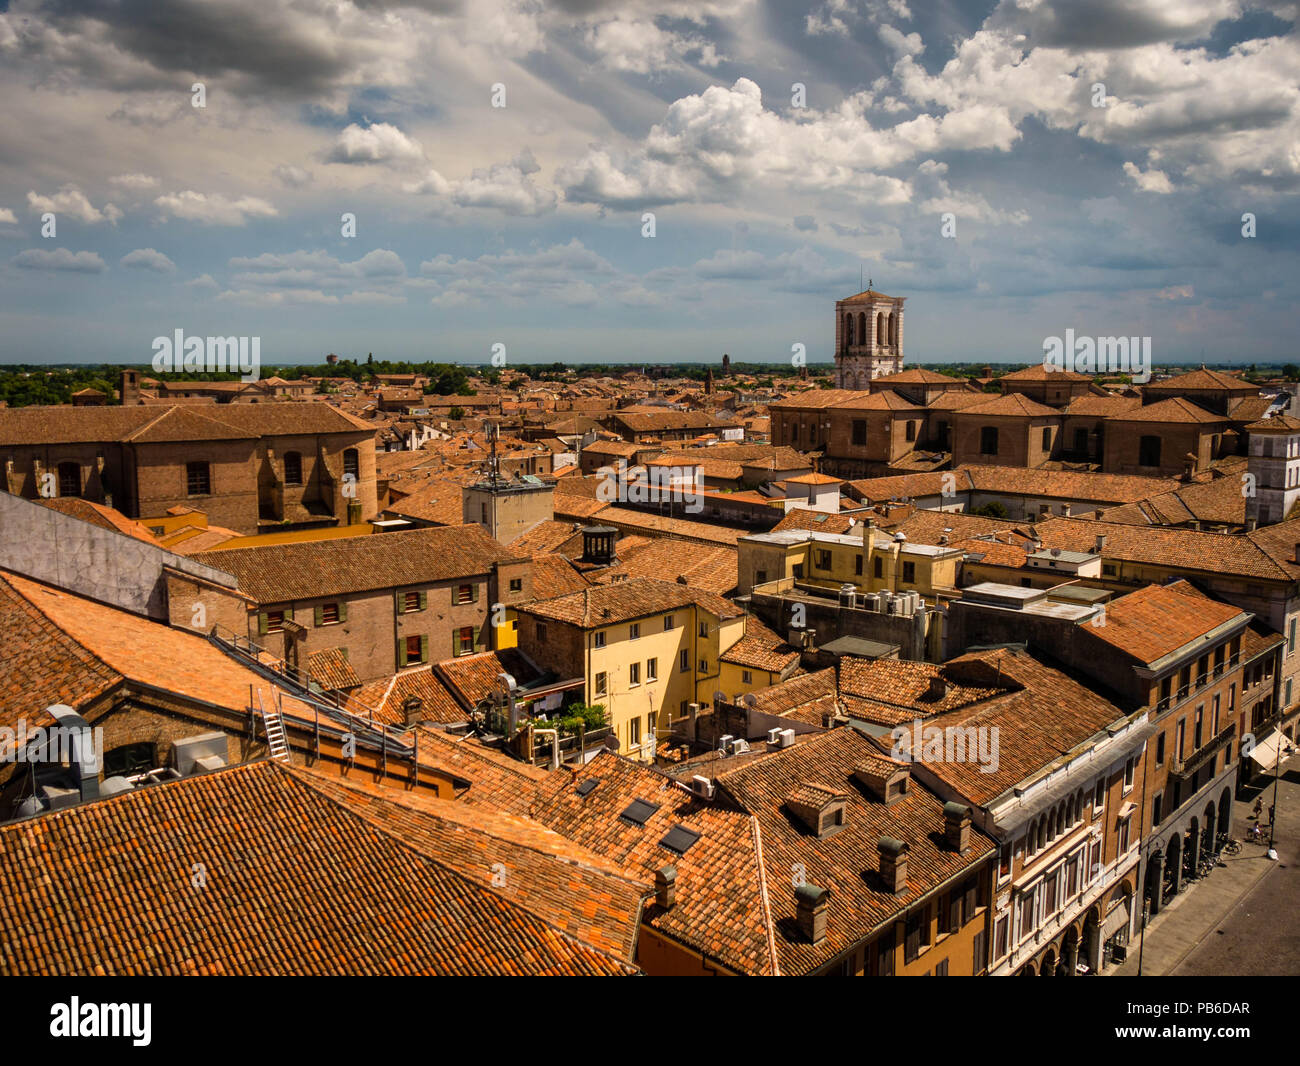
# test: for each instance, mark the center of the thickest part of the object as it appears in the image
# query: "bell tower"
(868, 338)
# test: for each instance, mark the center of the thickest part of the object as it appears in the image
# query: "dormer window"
(821, 809)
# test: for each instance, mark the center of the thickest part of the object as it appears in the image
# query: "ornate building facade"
(868, 338)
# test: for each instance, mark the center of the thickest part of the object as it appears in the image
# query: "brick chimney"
(412, 710)
(666, 886)
(811, 904)
(956, 827)
(938, 687)
(893, 864)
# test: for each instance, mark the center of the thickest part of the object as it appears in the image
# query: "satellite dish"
(719, 697)
(611, 742)
(751, 700)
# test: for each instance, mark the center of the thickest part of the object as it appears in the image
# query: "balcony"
(1203, 756)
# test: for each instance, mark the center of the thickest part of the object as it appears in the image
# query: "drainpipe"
(555, 745)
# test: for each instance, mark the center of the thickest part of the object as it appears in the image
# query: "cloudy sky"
(1096, 159)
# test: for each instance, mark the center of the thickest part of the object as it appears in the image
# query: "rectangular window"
(1072, 878)
(1123, 835)
(652, 669)
(685, 660)
(541, 632)
(634, 631)
(411, 602)
(877, 567)
(1004, 861)
(516, 584)
(1050, 884)
(670, 622)
(859, 431)
(464, 594)
(910, 430)
(634, 674)
(1232, 697)
(704, 630)
(822, 559)
(599, 639)
(704, 666)
(198, 482)
(1000, 930)
(329, 614)
(1182, 739)
(912, 937)
(1157, 812)
(634, 731)
(746, 678)
(1129, 766)
(1160, 750)
(979, 953)
(909, 573)
(857, 565)
(988, 440)
(275, 621)
(1026, 914)
(760, 576)
(602, 683)
(1047, 438)
(415, 648)
(464, 640)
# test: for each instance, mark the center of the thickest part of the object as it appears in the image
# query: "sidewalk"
(1195, 913)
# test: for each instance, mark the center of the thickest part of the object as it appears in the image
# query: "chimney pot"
(938, 687)
(666, 887)
(811, 905)
(956, 826)
(893, 864)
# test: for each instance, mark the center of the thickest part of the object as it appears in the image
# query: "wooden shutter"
(320, 615)
(288, 613)
(969, 901)
(473, 593)
(343, 610)
(424, 599)
(399, 601)
(424, 649)
(954, 912)
(980, 954)
(401, 652)
(261, 623)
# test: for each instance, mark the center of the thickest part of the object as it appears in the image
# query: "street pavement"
(1243, 919)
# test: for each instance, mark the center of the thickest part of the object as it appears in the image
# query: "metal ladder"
(276, 742)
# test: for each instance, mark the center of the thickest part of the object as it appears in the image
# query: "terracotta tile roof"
(103, 888)
(710, 567)
(844, 862)
(761, 649)
(818, 521)
(891, 692)
(929, 483)
(1278, 424)
(721, 907)
(472, 678)
(815, 479)
(624, 601)
(630, 520)
(1012, 404)
(864, 297)
(1040, 373)
(84, 644)
(927, 527)
(1048, 716)
(1102, 406)
(1248, 555)
(577, 508)
(917, 375)
(1175, 409)
(545, 537)
(497, 780)
(803, 690)
(1154, 621)
(279, 573)
(385, 697)
(105, 517)
(43, 664)
(1250, 408)
(436, 500)
(956, 400)
(1204, 380)
(559, 881)
(1102, 488)
(816, 399)
(332, 669)
(553, 576)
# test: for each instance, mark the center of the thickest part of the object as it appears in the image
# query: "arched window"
(862, 328)
(880, 328)
(893, 330)
(292, 468)
(69, 479)
(848, 330)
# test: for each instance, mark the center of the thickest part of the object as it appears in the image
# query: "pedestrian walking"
(1259, 806)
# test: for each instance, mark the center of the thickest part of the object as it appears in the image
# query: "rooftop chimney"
(893, 864)
(811, 904)
(956, 826)
(938, 687)
(666, 887)
(412, 709)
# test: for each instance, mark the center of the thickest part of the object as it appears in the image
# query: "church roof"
(1203, 380)
(868, 296)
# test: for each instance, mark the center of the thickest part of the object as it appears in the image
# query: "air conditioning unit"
(701, 786)
(724, 744)
(787, 737)
(737, 747)
(774, 736)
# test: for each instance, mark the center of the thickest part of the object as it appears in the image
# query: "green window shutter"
(424, 649)
(399, 601)
(288, 613)
(319, 616)
(261, 623)
(401, 652)
(455, 595)
(343, 610)
(424, 600)
(474, 594)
